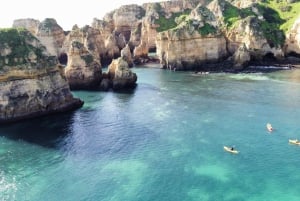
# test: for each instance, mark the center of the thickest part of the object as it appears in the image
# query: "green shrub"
(169, 23)
(271, 25)
(207, 29)
(88, 58)
(18, 41)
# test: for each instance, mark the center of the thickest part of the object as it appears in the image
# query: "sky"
(66, 13)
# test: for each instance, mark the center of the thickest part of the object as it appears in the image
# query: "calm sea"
(162, 142)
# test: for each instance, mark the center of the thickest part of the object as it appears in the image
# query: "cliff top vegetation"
(276, 18)
(20, 47)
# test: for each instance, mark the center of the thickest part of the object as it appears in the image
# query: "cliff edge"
(31, 82)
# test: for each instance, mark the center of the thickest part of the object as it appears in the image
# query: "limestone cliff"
(293, 39)
(90, 37)
(51, 35)
(185, 34)
(48, 32)
(195, 41)
(31, 82)
(28, 23)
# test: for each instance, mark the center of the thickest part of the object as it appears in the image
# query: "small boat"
(269, 127)
(231, 150)
(296, 142)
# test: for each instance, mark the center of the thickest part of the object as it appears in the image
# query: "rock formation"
(185, 34)
(31, 82)
(28, 23)
(49, 33)
(293, 39)
(120, 75)
(126, 54)
(82, 70)
(190, 45)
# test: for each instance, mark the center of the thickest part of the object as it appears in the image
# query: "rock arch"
(269, 57)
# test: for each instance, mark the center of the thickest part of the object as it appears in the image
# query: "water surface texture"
(162, 141)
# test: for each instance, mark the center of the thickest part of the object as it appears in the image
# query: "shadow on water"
(44, 131)
(129, 90)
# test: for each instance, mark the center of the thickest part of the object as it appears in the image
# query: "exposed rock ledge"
(31, 83)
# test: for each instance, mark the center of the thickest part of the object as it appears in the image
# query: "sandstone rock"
(82, 71)
(112, 50)
(120, 74)
(126, 19)
(292, 44)
(127, 56)
(105, 85)
(31, 83)
(28, 23)
(241, 57)
(247, 31)
(187, 47)
(51, 36)
(190, 27)
(141, 51)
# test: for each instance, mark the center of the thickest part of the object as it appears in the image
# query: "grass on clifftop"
(167, 23)
(289, 12)
(16, 44)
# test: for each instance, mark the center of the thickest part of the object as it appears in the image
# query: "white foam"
(250, 76)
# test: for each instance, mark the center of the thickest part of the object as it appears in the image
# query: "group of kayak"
(270, 129)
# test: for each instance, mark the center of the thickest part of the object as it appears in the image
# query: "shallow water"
(164, 141)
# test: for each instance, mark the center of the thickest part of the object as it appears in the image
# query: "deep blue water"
(162, 142)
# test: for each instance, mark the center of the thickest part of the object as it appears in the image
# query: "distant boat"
(269, 127)
(231, 150)
(296, 142)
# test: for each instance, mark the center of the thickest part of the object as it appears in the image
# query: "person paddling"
(269, 127)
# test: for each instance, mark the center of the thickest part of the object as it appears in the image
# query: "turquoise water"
(162, 142)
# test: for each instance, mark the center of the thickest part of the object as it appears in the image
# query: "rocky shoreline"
(40, 63)
(73, 105)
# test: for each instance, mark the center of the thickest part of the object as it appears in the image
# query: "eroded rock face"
(51, 35)
(177, 30)
(126, 54)
(293, 39)
(120, 74)
(247, 33)
(31, 83)
(241, 57)
(28, 23)
(186, 47)
(126, 18)
(82, 71)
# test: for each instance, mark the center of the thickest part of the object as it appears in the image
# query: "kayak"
(269, 127)
(296, 142)
(229, 150)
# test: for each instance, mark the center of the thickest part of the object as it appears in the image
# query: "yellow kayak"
(229, 149)
(296, 142)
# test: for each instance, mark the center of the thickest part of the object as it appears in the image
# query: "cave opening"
(269, 57)
(293, 54)
(63, 58)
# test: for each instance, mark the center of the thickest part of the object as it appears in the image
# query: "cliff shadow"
(45, 131)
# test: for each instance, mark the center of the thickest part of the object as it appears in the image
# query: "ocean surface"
(162, 141)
